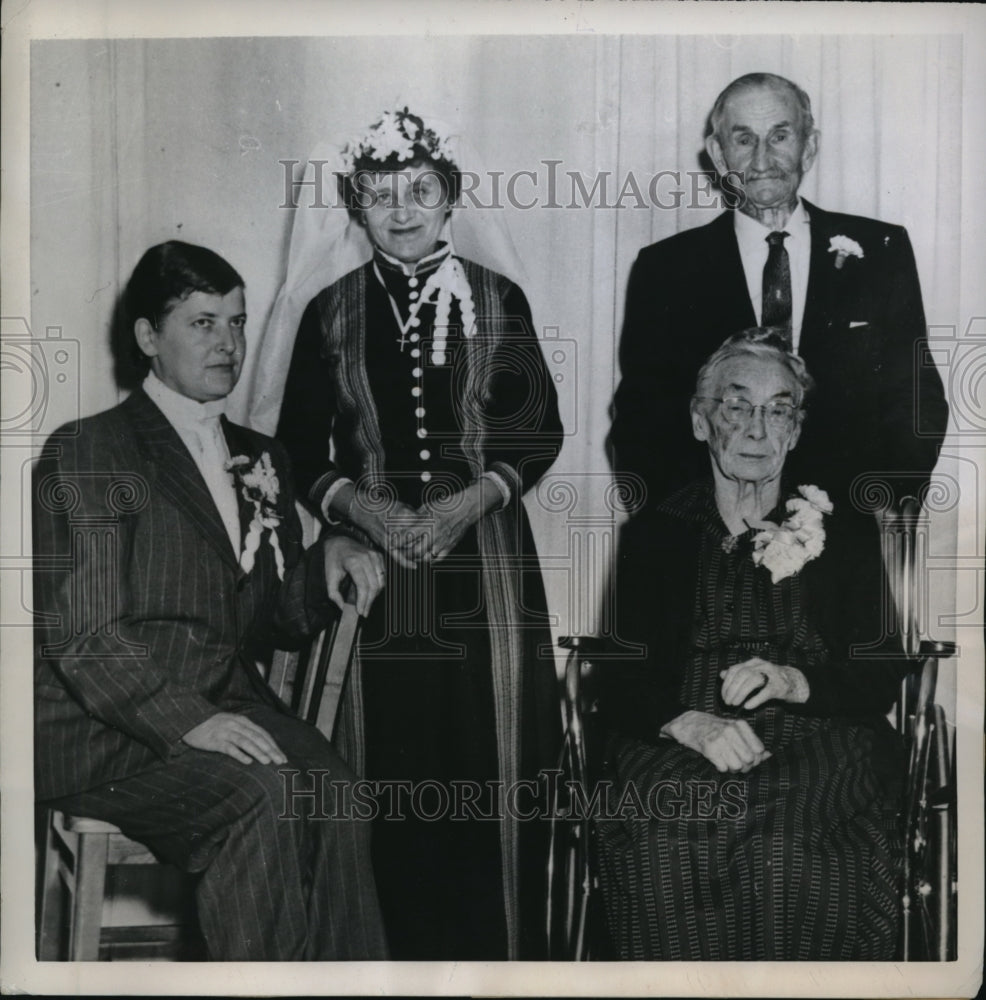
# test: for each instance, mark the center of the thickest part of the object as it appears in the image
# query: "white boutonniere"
(260, 486)
(844, 247)
(785, 548)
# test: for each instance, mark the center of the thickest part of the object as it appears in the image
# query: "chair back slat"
(336, 667)
(322, 675)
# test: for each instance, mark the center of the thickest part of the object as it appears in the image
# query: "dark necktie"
(776, 309)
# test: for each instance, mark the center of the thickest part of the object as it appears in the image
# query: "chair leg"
(49, 896)
(87, 905)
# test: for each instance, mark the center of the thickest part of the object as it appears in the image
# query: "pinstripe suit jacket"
(147, 625)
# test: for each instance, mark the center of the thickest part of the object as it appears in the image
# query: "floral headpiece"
(401, 135)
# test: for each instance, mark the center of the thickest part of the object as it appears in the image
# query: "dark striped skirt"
(798, 859)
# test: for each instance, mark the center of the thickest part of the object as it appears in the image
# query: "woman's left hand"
(760, 681)
(441, 531)
(346, 557)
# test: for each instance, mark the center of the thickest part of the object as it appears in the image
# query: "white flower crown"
(396, 134)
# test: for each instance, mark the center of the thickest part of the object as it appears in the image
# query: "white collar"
(750, 232)
(409, 269)
(180, 410)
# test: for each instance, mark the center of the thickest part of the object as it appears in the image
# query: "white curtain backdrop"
(135, 142)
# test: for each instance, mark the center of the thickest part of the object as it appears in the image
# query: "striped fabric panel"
(499, 550)
(807, 873)
(344, 329)
(343, 317)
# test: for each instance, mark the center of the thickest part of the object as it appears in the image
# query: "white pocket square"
(857, 322)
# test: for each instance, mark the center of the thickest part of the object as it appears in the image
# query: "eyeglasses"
(738, 411)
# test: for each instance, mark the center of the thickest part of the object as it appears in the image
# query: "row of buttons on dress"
(417, 373)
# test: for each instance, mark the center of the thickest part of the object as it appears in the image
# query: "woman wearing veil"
(418, 410)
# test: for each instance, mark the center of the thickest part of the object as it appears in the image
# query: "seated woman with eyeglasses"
(750, 810)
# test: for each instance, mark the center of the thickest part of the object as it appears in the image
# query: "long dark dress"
(797, 858)
(455, 678)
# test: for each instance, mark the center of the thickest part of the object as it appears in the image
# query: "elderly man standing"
(844, 289)
(167, 556)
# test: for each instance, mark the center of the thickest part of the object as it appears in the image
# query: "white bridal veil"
(326, 244)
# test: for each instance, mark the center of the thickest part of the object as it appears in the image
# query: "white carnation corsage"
(844, 247)
(785, 548)
(260, 486)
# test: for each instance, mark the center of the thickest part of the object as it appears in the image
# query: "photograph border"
(45, 19)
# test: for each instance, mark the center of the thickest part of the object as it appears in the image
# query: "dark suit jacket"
(879, 406)
(147, 625)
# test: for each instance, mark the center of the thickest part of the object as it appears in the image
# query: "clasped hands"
(414, 536)
(429, 533)
(731, 744)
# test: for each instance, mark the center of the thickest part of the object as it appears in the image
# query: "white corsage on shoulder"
(260, 486)
(844, 247)
(785, 548)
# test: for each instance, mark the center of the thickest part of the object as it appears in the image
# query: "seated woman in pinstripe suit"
(167, 553)
(752, 768)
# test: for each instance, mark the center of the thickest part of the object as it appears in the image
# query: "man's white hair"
(751, 80)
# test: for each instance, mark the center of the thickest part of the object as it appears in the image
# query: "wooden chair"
(927, 816)
(77, 854)
(319, 672)
(77, 851)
